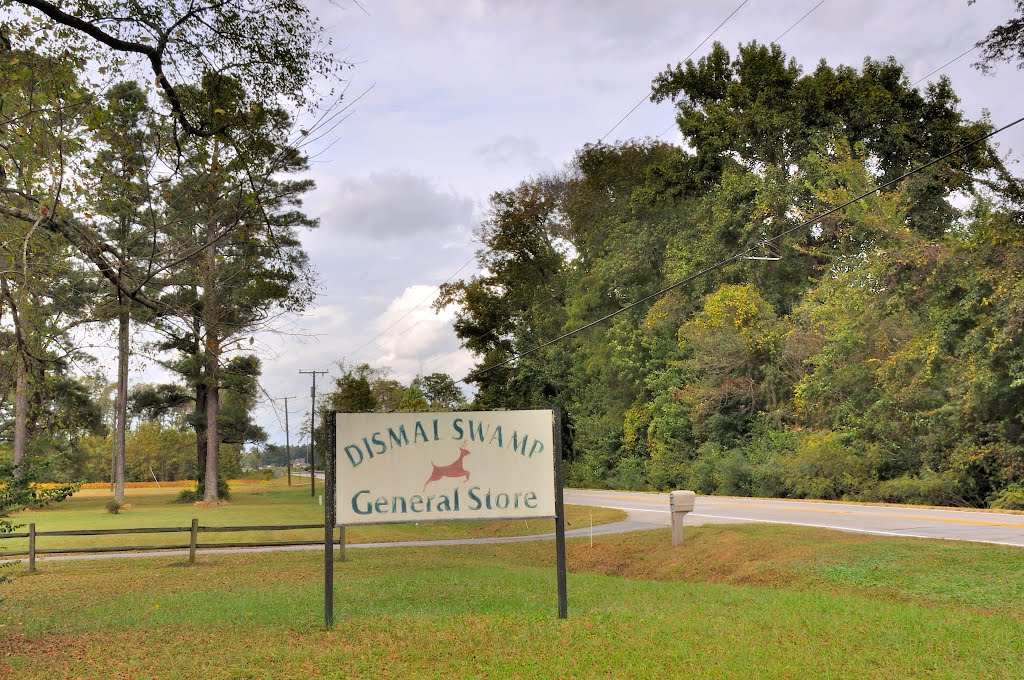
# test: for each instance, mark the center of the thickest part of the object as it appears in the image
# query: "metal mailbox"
(681, 501)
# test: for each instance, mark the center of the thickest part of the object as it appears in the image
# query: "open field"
(254, 503)
(735, 601)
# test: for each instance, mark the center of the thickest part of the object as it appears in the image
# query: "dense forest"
(872, 354)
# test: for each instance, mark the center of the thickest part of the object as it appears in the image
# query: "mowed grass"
(252, 504)
(733, 602)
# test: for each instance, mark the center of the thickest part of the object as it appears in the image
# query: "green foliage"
(879, 359)
(188, 496)
(113, 507)
(20, 489)
(1010, 498)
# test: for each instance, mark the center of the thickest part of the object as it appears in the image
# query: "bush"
(113, 506)
(929, 488)
(1010, 498)
(830, 466)
(735, 475)
(188, 496)
(628, 475)
(266, 474)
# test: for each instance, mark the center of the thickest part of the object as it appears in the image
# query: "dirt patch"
(209, 504)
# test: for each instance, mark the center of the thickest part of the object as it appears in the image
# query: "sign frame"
(330, 514)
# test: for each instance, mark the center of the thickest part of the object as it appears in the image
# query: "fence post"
(31, 547)
(192, 541)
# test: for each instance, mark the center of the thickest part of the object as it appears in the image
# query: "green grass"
(741, 601)
(266, 503)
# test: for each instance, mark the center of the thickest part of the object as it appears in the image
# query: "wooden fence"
(193, 544)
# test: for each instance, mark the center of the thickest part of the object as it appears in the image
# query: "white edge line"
(875, 532)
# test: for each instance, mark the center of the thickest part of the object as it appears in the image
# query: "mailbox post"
(680, 503)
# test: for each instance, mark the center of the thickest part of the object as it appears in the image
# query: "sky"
(462, 98)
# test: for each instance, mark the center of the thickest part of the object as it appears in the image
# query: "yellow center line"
(926, 518)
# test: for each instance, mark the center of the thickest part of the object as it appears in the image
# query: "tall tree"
(251, 267)
(273, 50)
(121, 200)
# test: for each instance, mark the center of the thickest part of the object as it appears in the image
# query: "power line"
(797, 22)
(741, 254)
(628, 114)
(954, 59)
(781, 36)
(692, 52)
(382, 345)
(431, 296)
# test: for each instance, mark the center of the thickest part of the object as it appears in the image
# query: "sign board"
(433, 467)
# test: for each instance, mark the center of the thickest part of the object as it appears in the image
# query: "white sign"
(432, 467)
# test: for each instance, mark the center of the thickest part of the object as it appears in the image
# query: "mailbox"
(681, 501)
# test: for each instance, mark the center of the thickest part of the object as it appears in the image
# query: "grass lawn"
(255, 503)
(733, 602)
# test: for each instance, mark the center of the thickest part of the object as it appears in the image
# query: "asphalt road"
(650, 511)
(882, 520)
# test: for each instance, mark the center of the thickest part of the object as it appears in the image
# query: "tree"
(502, 311)
(222, 70)
(122, 202)
(251, 268)
(1004, 42)
(273, 50)
(441, 392)
(873, 354)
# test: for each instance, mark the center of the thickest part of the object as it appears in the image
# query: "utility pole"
(287, 438)
(312, 430)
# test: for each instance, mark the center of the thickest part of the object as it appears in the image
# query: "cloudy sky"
(466, 97)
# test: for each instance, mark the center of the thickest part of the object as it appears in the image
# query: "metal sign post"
(329, 518)
(556, 437)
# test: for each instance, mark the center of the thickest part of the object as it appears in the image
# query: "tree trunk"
(212, 434)
(200, 429)
(20, 412)
(120, 423)
(210, 313)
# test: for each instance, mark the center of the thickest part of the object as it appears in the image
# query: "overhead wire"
(781, 36)
(613, 128)
(692, 52)
(433, 295)
(798, 21)
(741, 254)
(951, 61)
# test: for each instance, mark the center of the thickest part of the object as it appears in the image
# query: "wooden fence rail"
(194, 530)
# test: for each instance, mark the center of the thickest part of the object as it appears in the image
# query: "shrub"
(929, 488)
(114, 506)
(735, 475)
(628, 475)
(1010, 498)
(187, 497)
(829, 465)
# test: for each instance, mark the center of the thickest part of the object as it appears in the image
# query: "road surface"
(881, 520)
(650, 511)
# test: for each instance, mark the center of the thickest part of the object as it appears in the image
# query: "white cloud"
(515, 151)
(392, 205)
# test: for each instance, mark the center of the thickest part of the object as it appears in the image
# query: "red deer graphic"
(453, 470)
